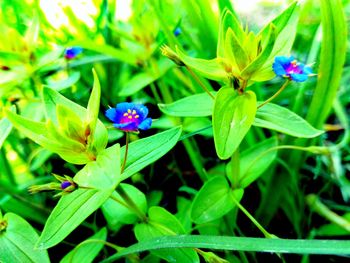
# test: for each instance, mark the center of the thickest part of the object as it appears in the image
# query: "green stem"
(256, 223)
(199, 81)
(276, 94)
(6, 167)
(194, 157)
(126, 152)
(235, 169)
(130, 203)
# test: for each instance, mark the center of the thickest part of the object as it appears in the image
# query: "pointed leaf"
(234, 50)
(71, 210)
(199, 105)
(232, 118)
(211, 69)
(274, 117)
(93, 106)
(213, 200)
(163, 223)
(255, 161)
(17, 241)
(86, 252)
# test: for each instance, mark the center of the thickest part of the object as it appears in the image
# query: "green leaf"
(199, 105)
(104, 173)
(228, 20)
(71, 210)
(146, 151)
(122, 55)
(268, 245)
(143, 79)
(212, 69)
(286, 26)
(17, 241)
(87, 251)
(274, 117)
(65, 83)
(117, 214)
(5, 129)
(255, 161)
(52, 98)
(232, 118)
(162, 223)
(262, 57)
(213, 200)
(333, 229)
(93, 107)
(234, 50)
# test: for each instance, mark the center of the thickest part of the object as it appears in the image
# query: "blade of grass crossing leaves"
(295, 246)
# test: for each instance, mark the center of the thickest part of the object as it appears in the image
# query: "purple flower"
(129, 117)
(72, 52)
(290, 68)
(65, 184)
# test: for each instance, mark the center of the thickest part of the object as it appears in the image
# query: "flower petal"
(111, 114)
(142, 111)
(129, 126)
(146, 124)
(299, 77)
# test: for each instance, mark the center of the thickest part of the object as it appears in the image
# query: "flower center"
(293, 68)
(130, 116)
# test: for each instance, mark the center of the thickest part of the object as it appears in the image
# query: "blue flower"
(129, 117)
(72, 52)
(290, 68)
(177, 31)
(65, 184)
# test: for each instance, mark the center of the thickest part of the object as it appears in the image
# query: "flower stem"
(199, 81)
(256, 223)
(276, 94)
(126, 152)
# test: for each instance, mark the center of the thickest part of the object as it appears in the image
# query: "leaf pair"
(73, 132)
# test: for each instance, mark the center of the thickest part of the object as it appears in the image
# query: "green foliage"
(220, 162)
(17, 239)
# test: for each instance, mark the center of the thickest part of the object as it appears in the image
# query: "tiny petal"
(111, 114)
(146, 124)
(177, 31)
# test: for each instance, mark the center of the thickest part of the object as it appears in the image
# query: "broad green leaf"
(104, 173)
(214, 200)
(146, 151)
(274, 117)
(232, 117)
(143, 79)
(269, 245)
(255, 160)
(163, 223)
(86, 252)
(199, 105)
(333, 229)
(212, 69)
(116, 214)
(71, 210)
(5, 129)
(17, 241)
(234, 50)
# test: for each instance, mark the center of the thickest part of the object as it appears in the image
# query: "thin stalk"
(126, 152)
(235, 169)
(6, 167)
(256, 223)
(276, 94)
(199, 81)
(130, 203)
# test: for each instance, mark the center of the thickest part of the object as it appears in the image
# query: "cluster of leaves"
(47, 98)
